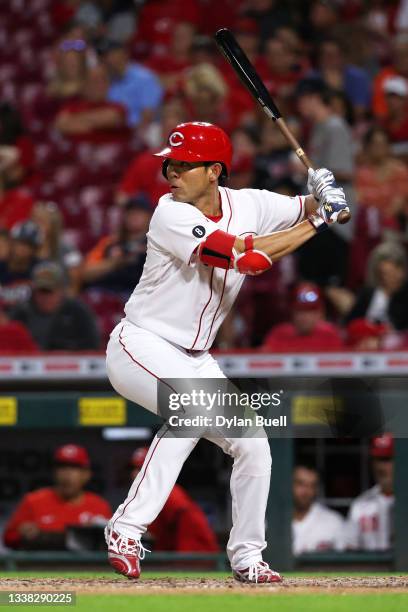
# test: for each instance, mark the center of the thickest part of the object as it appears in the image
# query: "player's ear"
(215, 171)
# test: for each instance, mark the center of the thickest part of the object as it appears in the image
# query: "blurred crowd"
(90, 88)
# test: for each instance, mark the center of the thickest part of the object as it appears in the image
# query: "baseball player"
(42, 518)
(202, 241)
(370, 519)
(314, 526)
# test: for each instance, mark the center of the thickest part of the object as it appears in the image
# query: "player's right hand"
(332, 203)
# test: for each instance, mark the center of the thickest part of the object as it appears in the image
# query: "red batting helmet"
(198, 142)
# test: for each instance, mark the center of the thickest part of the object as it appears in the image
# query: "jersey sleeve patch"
(179, 228)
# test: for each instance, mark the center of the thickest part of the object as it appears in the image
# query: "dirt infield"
(217, 585)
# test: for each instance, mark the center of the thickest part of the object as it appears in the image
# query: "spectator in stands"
(14, 337)
(279, 71)
(156, 23)
(337, 74)
(54, 248)
(205, 95)
(314, 526)
(397, 67)
(381, 181)
(242, 173)
(269, 15)
(308, 330)
(132, 85)
(144, 173)
(243, 170)
(17, 146)
(56, 321)
(395, 121)
(203, 49)
(41, 519)
(324, 16)
(330, 143)
(273, 162)
(330, 146)
(16, 168)
(66, 79)
(69, 78)
(384, 299)
(291, 37)
(246, 31)
(178, 57)
(92, 118)
(16, 203)
(181, 525)
(15, 271)
(370, 519)
(115, 17)
(364, 335)
(116, 263)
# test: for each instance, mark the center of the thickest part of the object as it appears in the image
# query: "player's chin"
(177, 195)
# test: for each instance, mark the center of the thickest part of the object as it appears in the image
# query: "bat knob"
(344, 217)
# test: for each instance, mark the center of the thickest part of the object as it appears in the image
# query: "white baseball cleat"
(124, 553)
(257, 573)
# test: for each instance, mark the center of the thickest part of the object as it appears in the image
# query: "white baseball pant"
(136, 359)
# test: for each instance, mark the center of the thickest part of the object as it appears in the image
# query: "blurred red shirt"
(156, 21)
(144, 174)
(285, 339)
(182, 526)
(52, 513)
(98, 135)
(15, 206)
(15, 338)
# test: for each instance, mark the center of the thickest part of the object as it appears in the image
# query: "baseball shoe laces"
(257, 573)
(124, 553)
(124, 545)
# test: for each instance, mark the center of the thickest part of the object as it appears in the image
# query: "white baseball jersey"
(370, 521)
(320, 529)
(178, 297)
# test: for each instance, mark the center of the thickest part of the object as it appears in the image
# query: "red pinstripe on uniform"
(300, 212)
(141, 480)
(225, 275)
(150, 458)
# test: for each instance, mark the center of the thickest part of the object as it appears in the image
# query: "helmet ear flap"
(164, 168)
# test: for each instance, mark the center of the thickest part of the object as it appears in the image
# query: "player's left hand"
(319, 181)
(333, 201)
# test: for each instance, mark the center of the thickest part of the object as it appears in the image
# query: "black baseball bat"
(240, 63)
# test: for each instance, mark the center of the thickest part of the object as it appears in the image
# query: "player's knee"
(254, 453)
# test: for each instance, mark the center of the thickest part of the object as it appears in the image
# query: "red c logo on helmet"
(176, 139)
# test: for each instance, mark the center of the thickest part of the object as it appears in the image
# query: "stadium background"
(75, 183)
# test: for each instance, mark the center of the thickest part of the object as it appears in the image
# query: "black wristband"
(318, 223)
